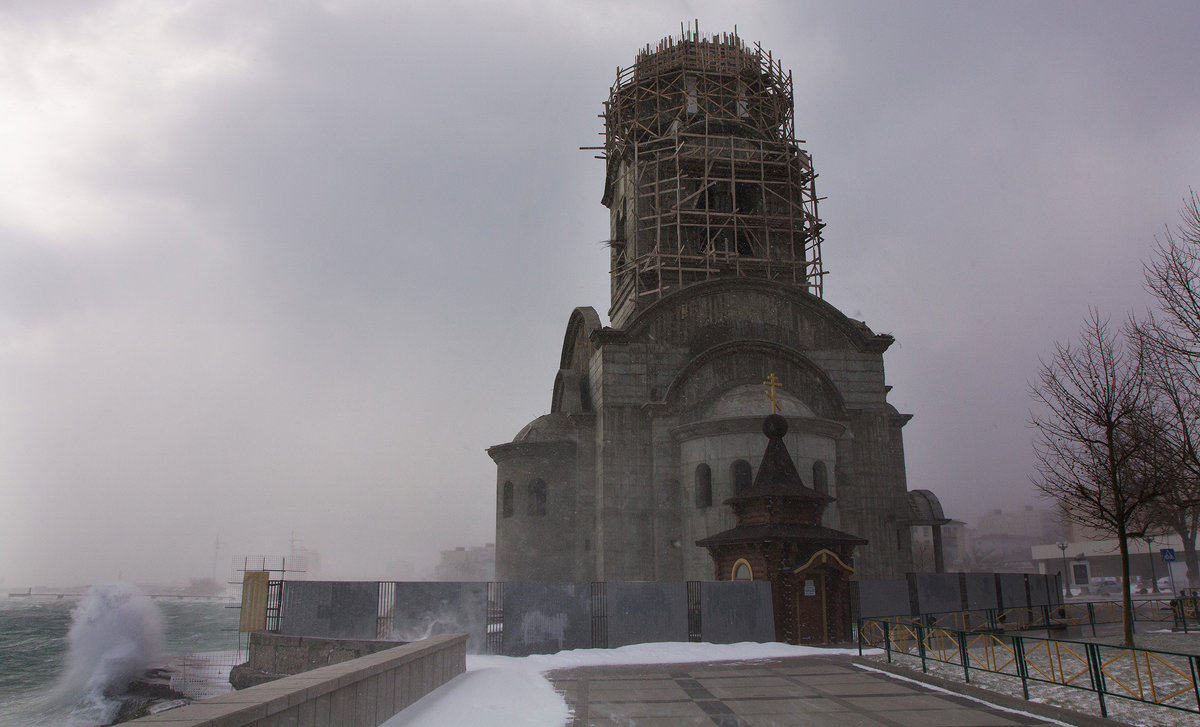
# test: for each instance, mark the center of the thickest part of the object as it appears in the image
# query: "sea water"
(59, 656)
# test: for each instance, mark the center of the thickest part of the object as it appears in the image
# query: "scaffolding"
(704, 177)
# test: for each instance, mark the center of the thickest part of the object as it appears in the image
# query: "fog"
(283, 269)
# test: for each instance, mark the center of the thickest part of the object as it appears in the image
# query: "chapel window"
(703, 485)
(820, 477)
(536, 502)
(742, 476)
(742, 571)
(506, 499)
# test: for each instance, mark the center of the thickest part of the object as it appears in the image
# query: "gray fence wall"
(941, 592)
(523, 618)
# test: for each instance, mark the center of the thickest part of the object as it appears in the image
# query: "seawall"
(363, 692)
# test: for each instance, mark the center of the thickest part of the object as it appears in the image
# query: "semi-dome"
(554, 427)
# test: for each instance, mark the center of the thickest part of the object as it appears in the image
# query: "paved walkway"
(824, 691)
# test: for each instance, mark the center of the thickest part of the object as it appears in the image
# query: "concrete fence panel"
(735, 611)
(543, 618)
(335, 609)
(421, 610)
(937, 592)
(643, 612)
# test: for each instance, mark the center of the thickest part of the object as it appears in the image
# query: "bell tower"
(704, 176)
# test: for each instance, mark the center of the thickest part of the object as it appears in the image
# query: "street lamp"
(1153, 575)
(1066, 573)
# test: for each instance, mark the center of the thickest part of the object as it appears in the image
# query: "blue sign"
(1168, 555)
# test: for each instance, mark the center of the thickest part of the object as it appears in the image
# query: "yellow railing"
(1154, 677)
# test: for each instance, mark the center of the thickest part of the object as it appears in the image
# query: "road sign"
(1168, 555)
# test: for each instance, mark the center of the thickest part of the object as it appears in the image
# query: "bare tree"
(1172, 341)
(1176, 451)
(1094, 438)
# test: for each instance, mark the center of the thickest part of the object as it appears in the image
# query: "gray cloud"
(291, 267)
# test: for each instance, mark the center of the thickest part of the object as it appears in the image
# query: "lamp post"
(1066, 573)
(1153, 575)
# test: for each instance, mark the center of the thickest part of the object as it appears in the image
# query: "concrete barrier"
(275, 656)
(363, 692)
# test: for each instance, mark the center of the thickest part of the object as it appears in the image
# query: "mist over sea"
(59, 656)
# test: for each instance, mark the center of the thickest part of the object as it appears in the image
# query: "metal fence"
(274, 604)
(980, 642)
(1182, 613)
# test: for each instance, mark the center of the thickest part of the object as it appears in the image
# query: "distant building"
(1002, 540)
(1089, 560)
(467, 564)
(1028, 522)
(716, 290)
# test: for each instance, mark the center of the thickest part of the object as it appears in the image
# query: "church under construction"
(656, 420)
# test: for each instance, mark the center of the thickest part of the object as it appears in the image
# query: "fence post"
(1046, 621)
(1022, 670)
(1092, 617)
(1093, 652)
(965, 655)
(860, 636)
(921, 647)
(887, 639)
(1194, 662)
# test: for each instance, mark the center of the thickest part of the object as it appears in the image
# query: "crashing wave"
(116, 635)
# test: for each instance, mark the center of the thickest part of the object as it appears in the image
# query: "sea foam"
(116, 634)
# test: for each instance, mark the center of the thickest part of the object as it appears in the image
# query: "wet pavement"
(823, 691)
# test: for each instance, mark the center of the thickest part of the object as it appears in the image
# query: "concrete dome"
(554, 427)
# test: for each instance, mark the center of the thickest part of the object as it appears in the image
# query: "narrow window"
(742, 476)
(820, 478)
(703, 485)
(536, 504)
(742, 571)
(506, 499)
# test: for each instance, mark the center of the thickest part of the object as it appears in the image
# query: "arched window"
(742, 476)
(742, 571)
(536, 503)
(820, 478)
(703, 485)
(506, 500)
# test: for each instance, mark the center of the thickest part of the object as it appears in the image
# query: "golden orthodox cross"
(772, 382)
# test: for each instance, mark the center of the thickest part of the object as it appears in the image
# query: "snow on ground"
(505, 691)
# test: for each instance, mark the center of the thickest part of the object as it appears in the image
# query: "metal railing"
(274, 605)
(1162, 678)
(1182, 613)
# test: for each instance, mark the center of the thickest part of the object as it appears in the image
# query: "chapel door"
(812, 619)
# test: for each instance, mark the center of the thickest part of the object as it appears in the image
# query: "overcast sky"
(290, 267)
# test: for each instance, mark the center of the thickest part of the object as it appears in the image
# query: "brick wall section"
(364, 692)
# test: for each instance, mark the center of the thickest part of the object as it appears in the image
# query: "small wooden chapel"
(778, 538)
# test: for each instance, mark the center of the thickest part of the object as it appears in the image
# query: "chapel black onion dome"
(777, 475)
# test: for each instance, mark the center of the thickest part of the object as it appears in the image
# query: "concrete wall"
(282, 654)
(364, 692)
